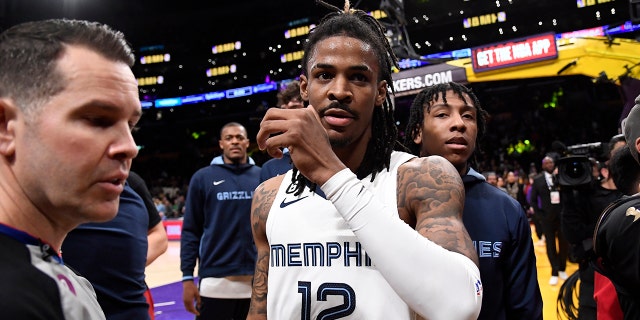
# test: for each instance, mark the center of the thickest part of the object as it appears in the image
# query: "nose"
(457, 123)
(340, 90)
(124, 146)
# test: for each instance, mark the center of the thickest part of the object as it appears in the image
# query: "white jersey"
(318, 268)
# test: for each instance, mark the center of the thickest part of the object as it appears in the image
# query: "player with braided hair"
(448, 120)
(356, 230)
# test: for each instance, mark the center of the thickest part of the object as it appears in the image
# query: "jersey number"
(325, 290)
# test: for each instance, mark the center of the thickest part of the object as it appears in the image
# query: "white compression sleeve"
(435, 282)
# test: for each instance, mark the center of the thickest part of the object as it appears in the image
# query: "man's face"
(293, 103)
(234, 144)
(342, 85)
(492, 179)
(548, 164)
(449, 130)
(73, 156)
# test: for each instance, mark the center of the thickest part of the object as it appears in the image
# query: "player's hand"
(302, 132)
(191, 297)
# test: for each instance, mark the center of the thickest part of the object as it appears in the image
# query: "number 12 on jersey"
(324, 291)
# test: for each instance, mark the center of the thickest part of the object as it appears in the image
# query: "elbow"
(164, 245)
(458, 309)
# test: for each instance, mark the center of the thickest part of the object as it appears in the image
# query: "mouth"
(338, 117)
(457, 141)
(118, 179)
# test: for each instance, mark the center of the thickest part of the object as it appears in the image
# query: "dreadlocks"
(424, 100)
(360, 25)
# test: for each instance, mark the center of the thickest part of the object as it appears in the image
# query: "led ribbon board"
(411, 81)
(514, 52)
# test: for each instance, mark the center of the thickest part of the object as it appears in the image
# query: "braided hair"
(424, 100)
(358, 24)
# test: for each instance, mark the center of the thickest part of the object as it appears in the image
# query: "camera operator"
(584, 199)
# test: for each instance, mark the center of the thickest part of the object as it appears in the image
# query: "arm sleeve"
(444, 285)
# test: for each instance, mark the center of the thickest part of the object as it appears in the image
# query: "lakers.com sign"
(411, 81)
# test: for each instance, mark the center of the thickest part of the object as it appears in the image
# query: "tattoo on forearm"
(262, 200)
(259, 291)
(433, 191)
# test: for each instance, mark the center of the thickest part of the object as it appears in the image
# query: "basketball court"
(163, 277)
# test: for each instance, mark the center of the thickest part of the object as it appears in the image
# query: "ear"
(637, 145)
(417, 139)
(304, 93)
(382, 93)
(8, 121)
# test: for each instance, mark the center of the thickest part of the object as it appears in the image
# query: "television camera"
(576, 167)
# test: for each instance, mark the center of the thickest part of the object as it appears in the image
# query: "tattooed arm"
(437, 278)
(431, 193)
(260, 206)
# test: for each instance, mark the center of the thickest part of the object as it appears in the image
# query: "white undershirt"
(234, 287)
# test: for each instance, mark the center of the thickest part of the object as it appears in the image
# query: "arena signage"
(514, 52)
(411, 81)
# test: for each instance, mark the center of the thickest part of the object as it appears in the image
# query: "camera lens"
(575, 170)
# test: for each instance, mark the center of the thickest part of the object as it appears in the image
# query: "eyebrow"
(109, 107)
(329, 66)
(466, 105)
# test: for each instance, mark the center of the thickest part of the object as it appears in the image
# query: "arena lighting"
(150, 81)
(210, 96)
(299, 31)
(226, 47)
(483, 20)
(628, 26)
(291, 56)
(155, 58)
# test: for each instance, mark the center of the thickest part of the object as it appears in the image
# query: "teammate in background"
(68, 103)
(447, 120)
(131, 241)
(356, 230)
(216, 232)
(288, 98)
